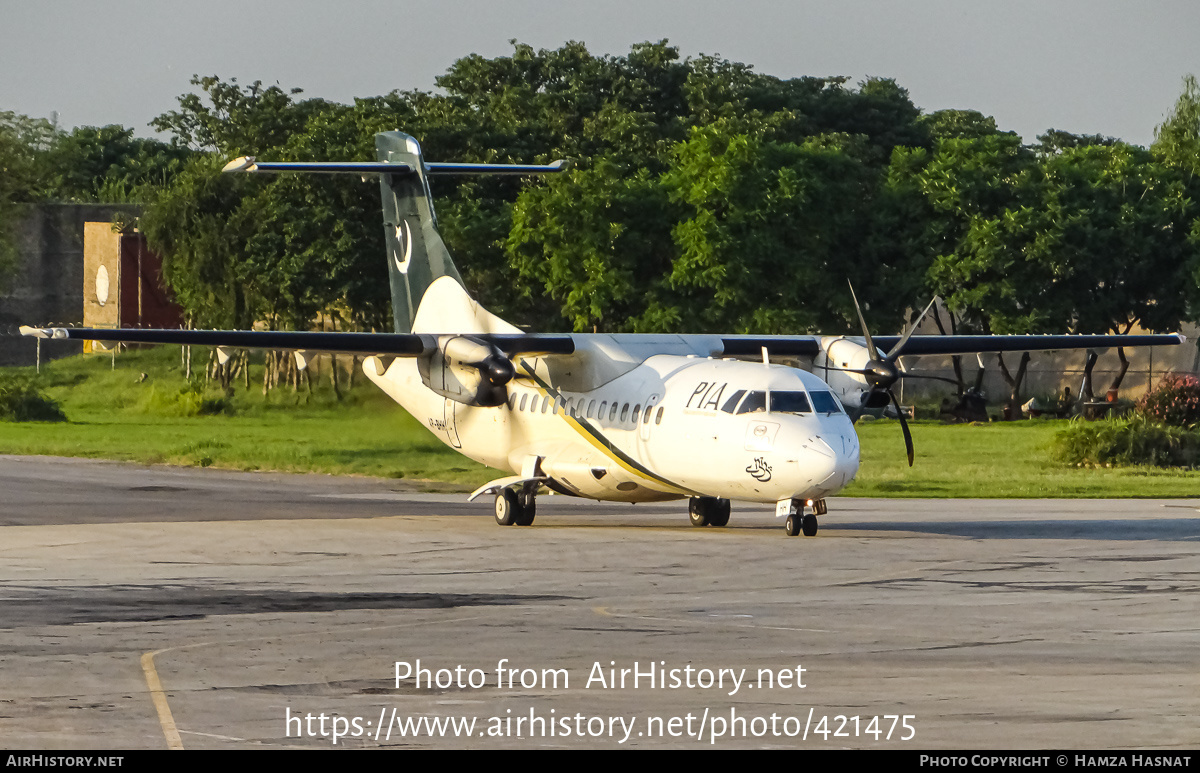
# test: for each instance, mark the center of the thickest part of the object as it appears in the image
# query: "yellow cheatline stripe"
(590, 435)
(160, 701)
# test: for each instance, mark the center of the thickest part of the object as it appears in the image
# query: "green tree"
(770, 230)
(1091, 238)
(106, 163)
(192, 222)
(958, 125)
(1177, 144)
(1177, 139)
(970, 178)
(598, 242)
(235, 120)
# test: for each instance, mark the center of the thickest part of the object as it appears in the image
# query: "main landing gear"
(798, 520)
(515, 508)
(708, 511)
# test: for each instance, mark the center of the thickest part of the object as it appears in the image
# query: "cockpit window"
(825, 402)
(732, 402)
(789, 402)
(755, 402)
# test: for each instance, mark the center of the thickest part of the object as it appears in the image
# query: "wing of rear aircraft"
(971, 344)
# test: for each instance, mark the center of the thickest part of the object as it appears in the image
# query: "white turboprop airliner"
(623, 417)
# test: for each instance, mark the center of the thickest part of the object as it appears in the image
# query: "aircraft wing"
(779, 346)
(971, 344)
(419, 344)
(389, 344)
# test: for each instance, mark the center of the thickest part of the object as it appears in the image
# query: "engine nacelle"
(468, 371)
(837, 356)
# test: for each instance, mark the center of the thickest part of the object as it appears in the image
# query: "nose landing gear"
(797, 519)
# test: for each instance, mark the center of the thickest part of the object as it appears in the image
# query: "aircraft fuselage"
(669, 427)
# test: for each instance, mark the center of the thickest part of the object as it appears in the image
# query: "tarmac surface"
(156, 607)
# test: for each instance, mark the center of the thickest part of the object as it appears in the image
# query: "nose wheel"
(800, 522)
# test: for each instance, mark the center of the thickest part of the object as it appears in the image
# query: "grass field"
(116, 414)
(1001, 459)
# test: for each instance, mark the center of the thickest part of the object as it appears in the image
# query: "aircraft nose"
(839, 465)
(847, 460)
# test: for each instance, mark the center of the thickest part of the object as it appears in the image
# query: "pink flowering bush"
(1174, 402)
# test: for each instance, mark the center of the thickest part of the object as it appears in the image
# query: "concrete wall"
(48, 288)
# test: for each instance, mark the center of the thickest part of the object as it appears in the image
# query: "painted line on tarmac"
(159, 696)
(160, 701)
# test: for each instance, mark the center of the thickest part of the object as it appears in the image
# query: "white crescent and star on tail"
(403, 245)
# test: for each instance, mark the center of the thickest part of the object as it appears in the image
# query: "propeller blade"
(903, 374)
(908, 441)
(862, 321)
(895, 352)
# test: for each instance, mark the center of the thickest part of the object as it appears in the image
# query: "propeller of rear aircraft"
(882, 373)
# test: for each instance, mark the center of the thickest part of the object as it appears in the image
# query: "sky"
(1084, 66)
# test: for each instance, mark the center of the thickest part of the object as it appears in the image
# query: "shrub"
(1126, 441)
(1174, 402)
(190, 400)
(21, 400)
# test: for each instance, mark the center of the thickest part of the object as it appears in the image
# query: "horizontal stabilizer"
(252, 164)
(515, 169)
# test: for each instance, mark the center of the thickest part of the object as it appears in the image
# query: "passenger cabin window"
(755, 402)
(658, 418)
(825, 402)
(523, 402)
(591, 411)
(624, 412)
(612, 414)
(790, 402)
(637, 409)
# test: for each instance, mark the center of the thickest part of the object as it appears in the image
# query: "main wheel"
(700, 511)
(526, 513)
(508, 507)
(792, 525)
(809, 525)
(719, 515)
